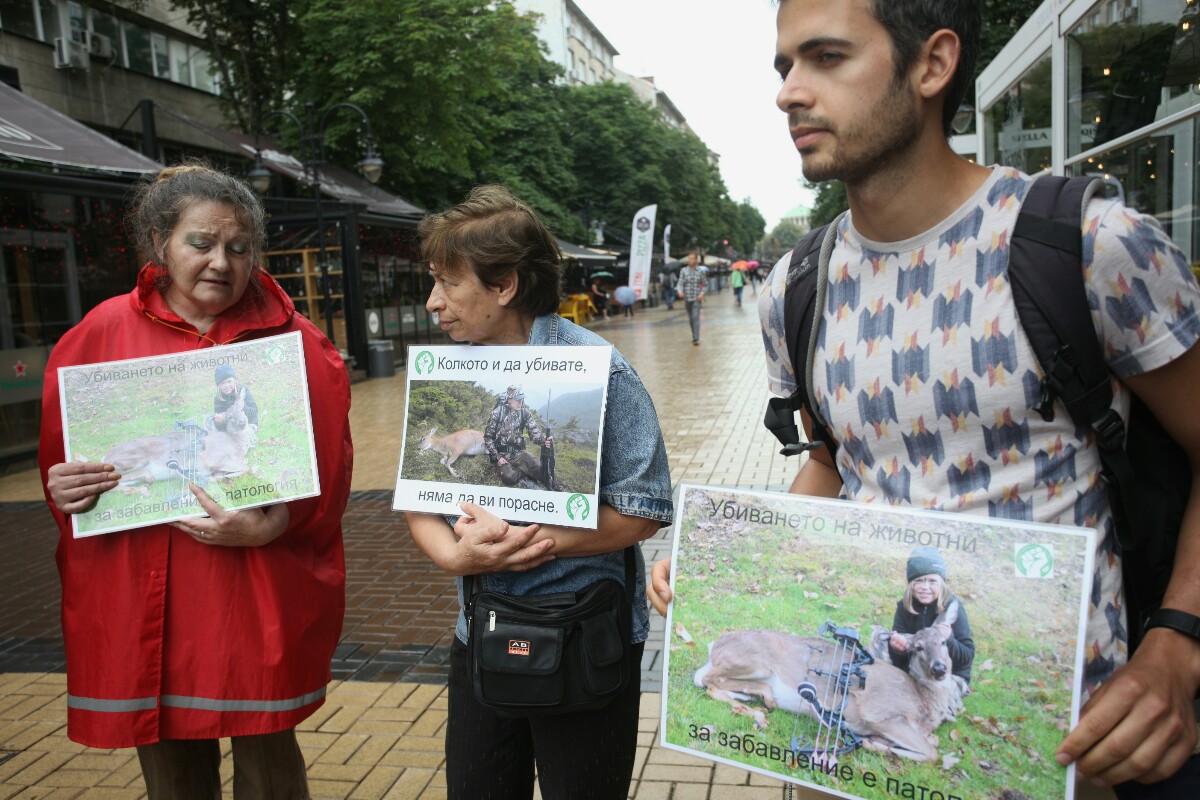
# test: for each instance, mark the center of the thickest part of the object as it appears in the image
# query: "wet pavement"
(379, 735)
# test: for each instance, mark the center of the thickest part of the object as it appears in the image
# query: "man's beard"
(879, 141)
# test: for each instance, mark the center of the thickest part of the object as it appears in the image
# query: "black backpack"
(1148, 474)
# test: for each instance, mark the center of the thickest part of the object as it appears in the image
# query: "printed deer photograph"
(238, 430)
(446, 426)
(792, 650)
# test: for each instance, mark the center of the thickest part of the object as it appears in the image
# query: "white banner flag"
(666, 245)
(641, 245)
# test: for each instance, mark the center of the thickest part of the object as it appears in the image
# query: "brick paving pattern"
(379, 734)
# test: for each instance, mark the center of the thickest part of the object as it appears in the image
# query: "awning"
(30, 131)
(336, 182)
(583, 254)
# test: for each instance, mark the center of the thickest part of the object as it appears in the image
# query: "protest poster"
(167, 421)
(460, 423)
(780, 656)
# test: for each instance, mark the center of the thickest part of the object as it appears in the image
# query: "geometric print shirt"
(928, 381)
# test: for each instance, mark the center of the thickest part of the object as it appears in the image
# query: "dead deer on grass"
(893, 711)
(452, 445)
(190, 452)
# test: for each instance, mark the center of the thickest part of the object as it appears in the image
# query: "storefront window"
(1159, 178)
(60, 255)
(1018, 124)
(1130, 67)
(395, 286)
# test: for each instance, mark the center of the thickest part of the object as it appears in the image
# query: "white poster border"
(292, 342)
(933, 520)
(586, 367)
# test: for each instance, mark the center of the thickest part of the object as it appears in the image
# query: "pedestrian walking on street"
(668, 278)
(497, 272)
(737, 279)
(869, 90)
(691, 289)
(219, 626)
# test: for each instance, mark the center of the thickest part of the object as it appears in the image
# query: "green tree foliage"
(750, 228)
(831, 201)
(251, 53)
(780, 240)
(459, 92)
(1001, 19)
(625, 156)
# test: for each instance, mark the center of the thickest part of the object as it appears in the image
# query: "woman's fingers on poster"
(247, 527)
(659, 591)
(75, 486)
(493, 545)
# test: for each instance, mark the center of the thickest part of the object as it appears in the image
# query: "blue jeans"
(693, 309)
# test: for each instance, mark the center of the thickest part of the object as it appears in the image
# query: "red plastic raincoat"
(168, 638)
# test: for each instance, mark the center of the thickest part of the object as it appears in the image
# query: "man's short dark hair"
(910, 23)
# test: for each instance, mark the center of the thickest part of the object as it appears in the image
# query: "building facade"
(95, 62)
(1108, 88)
(572, 41)
(74, 77)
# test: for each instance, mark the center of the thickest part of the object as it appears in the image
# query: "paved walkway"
(379, 735)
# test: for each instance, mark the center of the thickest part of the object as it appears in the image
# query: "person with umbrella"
(598, 293)
(737, 279)
(625, 297)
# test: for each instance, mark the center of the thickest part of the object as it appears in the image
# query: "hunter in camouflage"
(506, 444)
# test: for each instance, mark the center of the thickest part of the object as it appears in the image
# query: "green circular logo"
(275, 354)
(1034, 561)
(424, 362)
(578, 507)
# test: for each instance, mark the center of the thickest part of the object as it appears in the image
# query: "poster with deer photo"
(233, 420)
(871, 652)
(516, 430)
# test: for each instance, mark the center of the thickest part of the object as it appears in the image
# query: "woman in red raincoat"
(225, 625)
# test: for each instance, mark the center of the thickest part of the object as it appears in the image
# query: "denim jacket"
(634, 479)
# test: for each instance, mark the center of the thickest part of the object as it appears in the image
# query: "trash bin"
(380, 363)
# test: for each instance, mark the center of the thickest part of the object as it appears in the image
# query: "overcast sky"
(714, 62)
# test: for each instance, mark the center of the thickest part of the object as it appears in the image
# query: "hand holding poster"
(233, 420)
(516, 430)
(827, 643)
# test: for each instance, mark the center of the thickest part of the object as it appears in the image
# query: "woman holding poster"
(177, 635)
(497, 273)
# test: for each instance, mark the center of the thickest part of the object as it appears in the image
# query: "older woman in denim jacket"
(497, 273)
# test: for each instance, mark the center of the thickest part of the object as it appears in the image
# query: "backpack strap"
(1045, 272)
(803, 299)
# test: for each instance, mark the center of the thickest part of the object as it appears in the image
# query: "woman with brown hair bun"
(178, 635)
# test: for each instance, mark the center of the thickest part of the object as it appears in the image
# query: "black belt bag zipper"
(550, 654)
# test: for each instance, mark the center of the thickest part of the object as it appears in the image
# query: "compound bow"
(845, 669)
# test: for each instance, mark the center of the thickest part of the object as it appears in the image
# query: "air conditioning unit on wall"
(69, 54)
(99, 46)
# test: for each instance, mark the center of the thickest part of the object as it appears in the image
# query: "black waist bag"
(550, 654)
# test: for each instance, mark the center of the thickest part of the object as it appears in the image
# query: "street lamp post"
(312, 134)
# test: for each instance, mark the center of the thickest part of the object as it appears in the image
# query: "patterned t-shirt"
(928, 380)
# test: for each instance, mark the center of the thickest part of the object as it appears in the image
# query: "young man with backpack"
(926, 379)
